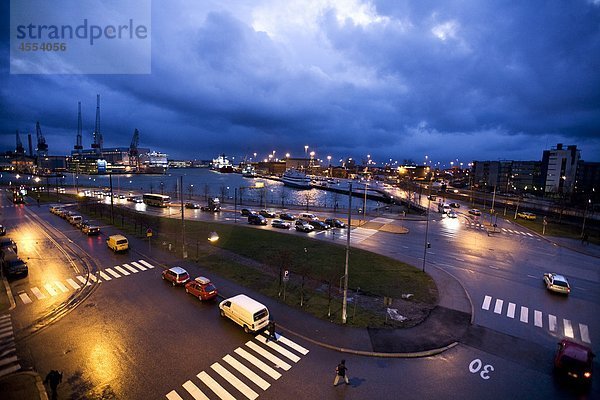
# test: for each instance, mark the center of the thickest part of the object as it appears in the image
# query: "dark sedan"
(319, 225)
(335, 223)
(287, 216)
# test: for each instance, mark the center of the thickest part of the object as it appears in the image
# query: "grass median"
(257, 258)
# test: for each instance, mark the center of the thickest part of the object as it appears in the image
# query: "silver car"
(556, 283)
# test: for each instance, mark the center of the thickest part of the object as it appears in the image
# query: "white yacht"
(295, 178)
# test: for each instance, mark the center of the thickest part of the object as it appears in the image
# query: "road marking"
(585, 334)
(38, 293)
(524, 314)
(214, 386)
(486, 302)
(504, 229)
(62, 287)
(510, 312)
(129, 267)
(459, 259)
(73, 284)
(531, 276)
(491, 266)
(551, 322)
(104, 276)
(264, 385)
(537, 318)
(194, 391)
(527, 233)
(279, 363)
(122, 270)
(139, 266)
(113, 273)
(172, 395)
(50, 290)
(568, 328)
(238, 384)
(259, 364)
(94, 278)
(278, 348)
(146, 263)
(83, 280)
(289, 343)
(498, 306)
(25, 298)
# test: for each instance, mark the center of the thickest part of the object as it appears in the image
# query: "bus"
(157, 200)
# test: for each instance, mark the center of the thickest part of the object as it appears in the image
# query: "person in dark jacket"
(340, 373)
(53, 378)
(271, 328)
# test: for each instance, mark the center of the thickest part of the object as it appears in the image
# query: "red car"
(202, 288)
(574, 360)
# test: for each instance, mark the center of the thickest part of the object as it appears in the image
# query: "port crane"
(19, 149)
(134, 156)
(79, 145)
(42, 146)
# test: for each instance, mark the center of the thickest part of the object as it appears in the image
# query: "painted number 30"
(476, 366)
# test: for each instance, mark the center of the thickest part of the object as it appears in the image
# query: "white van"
(75, 219)
(308, 217)
(246, 312)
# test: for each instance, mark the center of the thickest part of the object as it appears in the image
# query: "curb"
(417, 354)
(13, 304)
(464, 290)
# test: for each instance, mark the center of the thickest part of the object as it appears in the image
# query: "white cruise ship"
(222, 164)
(295, 178)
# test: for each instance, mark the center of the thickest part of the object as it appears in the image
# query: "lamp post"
(426, 232)
(584, 216)
(345, 300)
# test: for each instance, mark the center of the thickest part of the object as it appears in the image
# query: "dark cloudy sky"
(467, 80)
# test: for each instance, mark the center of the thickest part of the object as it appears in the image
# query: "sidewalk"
(24, 385)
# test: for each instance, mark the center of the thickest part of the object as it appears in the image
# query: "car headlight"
(587, 374)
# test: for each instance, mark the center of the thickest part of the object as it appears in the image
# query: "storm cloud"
(393, 79)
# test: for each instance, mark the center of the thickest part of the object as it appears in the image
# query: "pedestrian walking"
(53, 378)
(340, 373)
(271, 328)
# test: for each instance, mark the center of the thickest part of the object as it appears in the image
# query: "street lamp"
(306, 151)
(426, 232)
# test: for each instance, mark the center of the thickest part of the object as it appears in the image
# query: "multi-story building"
(559, 168)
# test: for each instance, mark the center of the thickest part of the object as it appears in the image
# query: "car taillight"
(587, 374)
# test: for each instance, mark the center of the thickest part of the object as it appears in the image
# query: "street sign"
(149, 233)
(286, 275)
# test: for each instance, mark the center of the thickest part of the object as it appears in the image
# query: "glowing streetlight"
(287, 155)
(306, 151)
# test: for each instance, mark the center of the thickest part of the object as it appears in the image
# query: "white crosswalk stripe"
(224, 378)
(54, 288)
(146, 263)
(569, 329)
(25, 298)
(9, 361)
(260, 382)
(73, 284)
(62, 287)
(238, 384)
(113, 273)
(194, 391)
(122, 270)
(214, 386)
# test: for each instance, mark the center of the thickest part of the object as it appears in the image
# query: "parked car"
(454, 205)
(12, 266)
(335, 223)
(6, 243)
(192, 205)
(287, 216)
(303, 226)
(308, 217)
(256, 219)
(319, 225)
(117, 243)
(474, 211)
(267, 213)
(574, 361)
(176, 275)
(245, 212)
(90, 229)
(556, 283)
(452, 214)
(279, 223)
(54, 209)
(526, 215)
(432, 197)
(202, 288)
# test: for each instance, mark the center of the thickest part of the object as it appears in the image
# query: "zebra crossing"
(562, 326)
(476, 225)
(9, 362)
(54, 288)
(248, 370)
